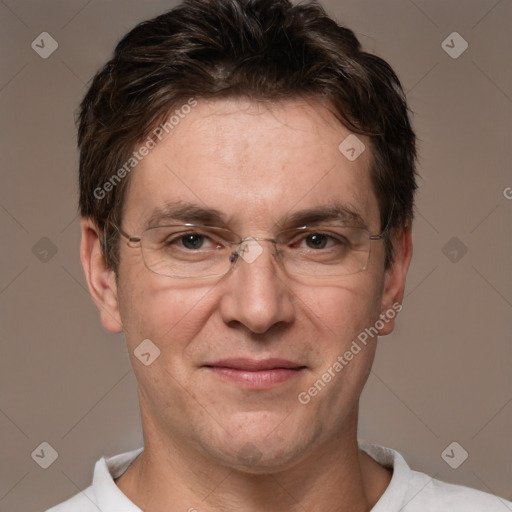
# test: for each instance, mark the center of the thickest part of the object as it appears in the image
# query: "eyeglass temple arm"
(133, 239)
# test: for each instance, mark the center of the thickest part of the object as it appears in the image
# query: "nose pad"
(249, 250)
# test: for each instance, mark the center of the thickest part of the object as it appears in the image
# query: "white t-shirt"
(408, 491)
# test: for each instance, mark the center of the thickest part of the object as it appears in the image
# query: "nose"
(256, 295)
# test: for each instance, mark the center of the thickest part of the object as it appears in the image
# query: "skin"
(256, 164)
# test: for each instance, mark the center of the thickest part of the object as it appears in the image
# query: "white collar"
(110, 498)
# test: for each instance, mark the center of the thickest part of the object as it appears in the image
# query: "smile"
(253, 374)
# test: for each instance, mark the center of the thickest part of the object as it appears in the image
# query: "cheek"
(344, 350)
(341, 318)
(171, 318)
(344, 310)
(156, 308)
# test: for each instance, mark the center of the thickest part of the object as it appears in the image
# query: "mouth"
(254, 374)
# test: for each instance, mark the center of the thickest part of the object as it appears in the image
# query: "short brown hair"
(260, 49)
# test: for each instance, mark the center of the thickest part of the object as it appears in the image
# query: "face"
(239, 354)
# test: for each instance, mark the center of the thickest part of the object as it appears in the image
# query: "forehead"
(254, 164)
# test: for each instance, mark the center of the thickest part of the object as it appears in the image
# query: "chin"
(258, 460)
(262, 447)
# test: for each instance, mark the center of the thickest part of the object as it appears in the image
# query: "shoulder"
(427, 493)
(85, 501)
(103, 492)
(412, 491)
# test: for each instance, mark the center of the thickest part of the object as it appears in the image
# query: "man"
(247, 177)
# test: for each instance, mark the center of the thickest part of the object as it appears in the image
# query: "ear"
(100, 280)
(394, 280)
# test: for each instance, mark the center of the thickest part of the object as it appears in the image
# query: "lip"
(253, 373)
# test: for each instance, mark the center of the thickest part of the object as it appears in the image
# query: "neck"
(335, 476)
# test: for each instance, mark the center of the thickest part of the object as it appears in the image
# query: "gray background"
(443, 376)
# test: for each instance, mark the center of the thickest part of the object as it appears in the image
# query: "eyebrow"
(185, 212)
(326, 213)
(196, 214)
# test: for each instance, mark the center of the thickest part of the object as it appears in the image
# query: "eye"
(318, 240)
(192, 241)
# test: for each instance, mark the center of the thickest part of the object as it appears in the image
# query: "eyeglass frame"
(234, 256)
